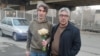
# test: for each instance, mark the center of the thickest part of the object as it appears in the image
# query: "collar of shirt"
(41, 21)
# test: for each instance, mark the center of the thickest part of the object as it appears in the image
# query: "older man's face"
(63, 17)
(41, 13)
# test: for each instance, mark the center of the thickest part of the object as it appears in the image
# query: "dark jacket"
(70, 41)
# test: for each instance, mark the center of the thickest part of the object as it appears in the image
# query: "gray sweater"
(34, 40)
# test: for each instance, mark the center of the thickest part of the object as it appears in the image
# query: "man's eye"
(42, 10)
(63, 15)
(39, 10)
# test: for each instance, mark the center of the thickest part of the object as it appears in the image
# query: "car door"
(9, 27)
(3, 25)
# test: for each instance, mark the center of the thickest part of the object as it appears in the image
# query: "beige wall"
(97, 18)
(3, 5)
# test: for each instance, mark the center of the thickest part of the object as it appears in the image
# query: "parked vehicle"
(15, 27)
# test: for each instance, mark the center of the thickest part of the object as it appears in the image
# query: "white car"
(15, 27)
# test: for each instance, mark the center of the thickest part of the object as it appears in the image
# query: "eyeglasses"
(61, 15)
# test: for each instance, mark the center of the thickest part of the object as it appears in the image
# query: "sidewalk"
(90, 44)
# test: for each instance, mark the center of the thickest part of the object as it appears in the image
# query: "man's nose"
(63, 17)
(41, 11)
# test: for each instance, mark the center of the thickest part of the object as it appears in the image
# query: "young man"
(65, 37)
(35, 43)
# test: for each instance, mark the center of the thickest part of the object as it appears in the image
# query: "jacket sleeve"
(76, 44)
(50, 29)
(29, 36)
(50, 43)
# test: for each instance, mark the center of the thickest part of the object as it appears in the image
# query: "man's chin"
(63, 23)
(40, 18)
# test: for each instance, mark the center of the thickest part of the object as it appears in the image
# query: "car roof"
(14, 18)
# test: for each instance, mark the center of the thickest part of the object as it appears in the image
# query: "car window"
(20, 22)
(3, 21)
(9, 22)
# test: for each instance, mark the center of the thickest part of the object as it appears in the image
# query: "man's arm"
(50, 29)
(29, 36)
(28, 40)
(45, 43)
(76, 43)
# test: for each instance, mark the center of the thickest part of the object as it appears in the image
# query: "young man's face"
(41, 13)
(63, 17)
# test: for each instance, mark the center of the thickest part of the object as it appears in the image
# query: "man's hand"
(27, 53)
(44, 43)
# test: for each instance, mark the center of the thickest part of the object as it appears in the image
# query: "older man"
(65, 39)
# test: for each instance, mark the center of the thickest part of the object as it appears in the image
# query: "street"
(9, 47)
(90, 45)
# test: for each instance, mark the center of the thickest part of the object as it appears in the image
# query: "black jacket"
(70, 41)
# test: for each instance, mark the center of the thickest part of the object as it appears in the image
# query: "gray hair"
(64, 9)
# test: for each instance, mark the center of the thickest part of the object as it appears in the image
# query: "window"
(9, 22)
(20, 22)
(3, 21)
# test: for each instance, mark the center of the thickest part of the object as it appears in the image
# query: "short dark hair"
(44, 6)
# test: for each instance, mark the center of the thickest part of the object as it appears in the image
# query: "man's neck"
(63, 25)
(41, 20)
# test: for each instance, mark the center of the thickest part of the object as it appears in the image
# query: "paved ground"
(90, 45)
(8, 47)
